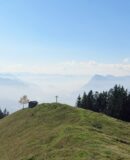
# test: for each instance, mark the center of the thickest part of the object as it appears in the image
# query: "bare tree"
(24, 100)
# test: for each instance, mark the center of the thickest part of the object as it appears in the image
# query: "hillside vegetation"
(114, 103)
(61, 132)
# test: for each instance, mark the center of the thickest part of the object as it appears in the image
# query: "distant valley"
(44, 88)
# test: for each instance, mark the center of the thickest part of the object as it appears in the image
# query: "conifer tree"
(84, 101)
(79, 102)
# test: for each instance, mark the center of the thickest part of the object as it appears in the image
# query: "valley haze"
(44, 87)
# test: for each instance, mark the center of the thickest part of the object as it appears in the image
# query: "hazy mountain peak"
(103, 83)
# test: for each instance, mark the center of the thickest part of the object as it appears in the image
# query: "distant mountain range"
(43, 88)
(8, 81)
(103, 83)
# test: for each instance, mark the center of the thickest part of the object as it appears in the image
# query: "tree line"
(3, 113)
(115, 102)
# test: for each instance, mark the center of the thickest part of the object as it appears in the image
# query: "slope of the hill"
(61, 132)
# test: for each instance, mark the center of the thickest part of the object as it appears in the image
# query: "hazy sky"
(65, 36)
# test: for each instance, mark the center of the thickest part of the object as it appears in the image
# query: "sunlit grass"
(61, 132)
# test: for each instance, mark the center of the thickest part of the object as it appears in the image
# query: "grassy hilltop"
(61, 132)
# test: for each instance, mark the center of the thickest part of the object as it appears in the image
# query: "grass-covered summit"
(61, 132)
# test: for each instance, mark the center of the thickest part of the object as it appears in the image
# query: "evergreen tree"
(90, 101)
(116, 100)
(84, 101)
(1, 114)
(95, 101)
(125, 114)
(79, 102)
(101, 102)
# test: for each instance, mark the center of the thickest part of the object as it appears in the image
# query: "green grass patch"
(60, 132)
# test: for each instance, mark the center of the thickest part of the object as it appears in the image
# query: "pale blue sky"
(74, 39)
(49, 31)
